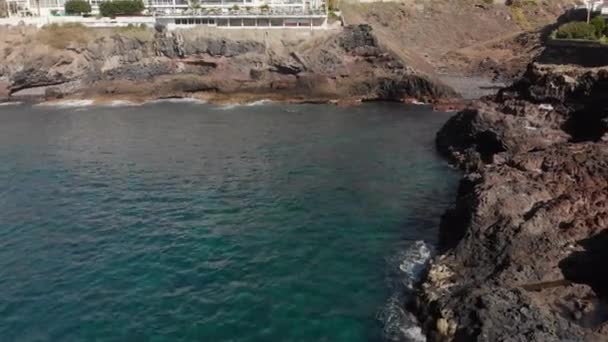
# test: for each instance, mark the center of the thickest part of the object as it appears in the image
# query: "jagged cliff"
(343, 65)
(523, 246)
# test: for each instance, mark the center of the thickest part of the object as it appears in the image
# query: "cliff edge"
(522, 249)
(348, 65)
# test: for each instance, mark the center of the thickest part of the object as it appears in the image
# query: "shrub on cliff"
(600, 25)
(77, 7)
(61, 36)
(121, 7)
(576, 30)
(139, 32)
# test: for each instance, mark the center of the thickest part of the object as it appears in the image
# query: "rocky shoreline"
(522, 248)
(346, 66)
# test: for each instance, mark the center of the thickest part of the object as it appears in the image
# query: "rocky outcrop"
(521, 247)
(4, 91)
(344, 65)
(551, 104)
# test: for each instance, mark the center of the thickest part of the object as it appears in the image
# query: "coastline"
(224, 100)
(519, 249)
(344, 67)
(520, 252)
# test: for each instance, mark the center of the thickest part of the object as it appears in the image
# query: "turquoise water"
(187, 222)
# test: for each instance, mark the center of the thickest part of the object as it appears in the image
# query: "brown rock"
(335, 64)
(532, 209)
(4, 91)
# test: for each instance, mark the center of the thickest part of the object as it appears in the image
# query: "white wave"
(179, 100)
(258, 103)
(68, 103)
(399, 324)
(414, 334)
(407, 266)
(12, 103)
(228, 107)
(414, 261)
(120, 103)
(416, 102)
(248, 104)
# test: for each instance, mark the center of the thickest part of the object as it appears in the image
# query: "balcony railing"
(242, 12)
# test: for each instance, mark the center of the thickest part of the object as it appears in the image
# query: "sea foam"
(258, 103)
(406, 269)
(248, 104)
(120, 103)
(178, 100)
(13, 103)
(68, 103)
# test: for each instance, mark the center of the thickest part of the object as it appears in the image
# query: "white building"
(18, 7)
(594, 5)
(244, 13)
(46, 8)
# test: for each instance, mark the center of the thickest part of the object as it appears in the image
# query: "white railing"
(244, 12)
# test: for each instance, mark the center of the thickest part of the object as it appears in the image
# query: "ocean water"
(189, 222)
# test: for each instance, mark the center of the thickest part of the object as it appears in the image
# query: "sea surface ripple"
(179, 222)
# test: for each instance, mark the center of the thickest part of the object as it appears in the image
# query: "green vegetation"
(520, 18)
(121, 7)
(522, 3)
(265, 8)
(235, 8)
(139, 32)
(333, 17)
(599, 23)
(530, 2)
(61, 36)
(595, 30)
(77, 7)
(579, 30)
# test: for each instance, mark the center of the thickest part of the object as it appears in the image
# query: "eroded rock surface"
(346, 64)
(521, 247)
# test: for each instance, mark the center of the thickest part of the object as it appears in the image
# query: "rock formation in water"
(346, 65)
(523, 248)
